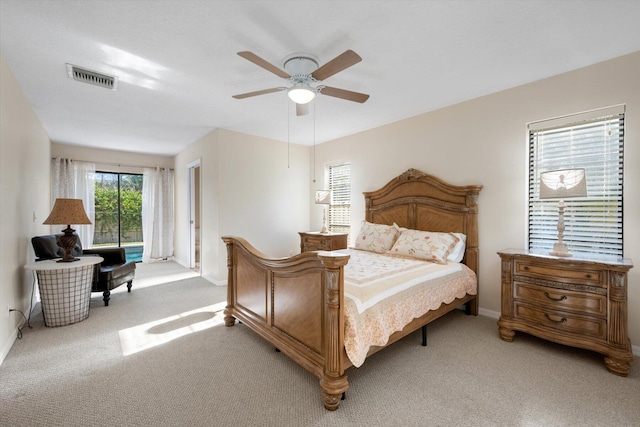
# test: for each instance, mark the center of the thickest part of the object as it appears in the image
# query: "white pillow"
(377, 238)
(457, 253)
(430, 246)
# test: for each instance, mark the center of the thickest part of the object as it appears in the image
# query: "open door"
(194, 215)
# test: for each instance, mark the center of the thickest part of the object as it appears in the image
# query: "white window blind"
(340, 208)
(593, 141)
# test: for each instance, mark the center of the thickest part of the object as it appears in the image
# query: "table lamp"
(323, 197)
(68, 211)
(562, 184)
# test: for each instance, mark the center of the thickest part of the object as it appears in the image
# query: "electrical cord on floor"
(33, 291)
(28, 320)
(20, 327)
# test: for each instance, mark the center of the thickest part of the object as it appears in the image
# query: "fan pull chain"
(314, 142)
(288, 134)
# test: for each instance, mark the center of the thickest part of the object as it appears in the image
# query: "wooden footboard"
(297, 304)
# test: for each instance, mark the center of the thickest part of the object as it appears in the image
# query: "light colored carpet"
(184, 367)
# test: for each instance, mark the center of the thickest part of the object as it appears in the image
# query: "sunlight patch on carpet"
(161, 280)
(148, 335)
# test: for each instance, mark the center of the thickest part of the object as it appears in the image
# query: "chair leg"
(129, 284)
(105, 297)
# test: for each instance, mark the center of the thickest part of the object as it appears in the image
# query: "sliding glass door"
(118, 206)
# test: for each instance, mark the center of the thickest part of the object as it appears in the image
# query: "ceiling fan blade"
(344, 94)
(258, 92)
(250, 56)
(337, 64)
(302, 109)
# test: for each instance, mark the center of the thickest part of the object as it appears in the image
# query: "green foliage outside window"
(106, 209)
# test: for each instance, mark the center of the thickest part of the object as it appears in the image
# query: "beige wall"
(484, 141)
(24, 197)
(205, 150)
(248, 190)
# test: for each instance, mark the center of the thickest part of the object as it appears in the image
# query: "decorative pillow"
(457, 253)
(377, 238)
(426, 245)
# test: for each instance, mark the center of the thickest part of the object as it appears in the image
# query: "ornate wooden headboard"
(423, 202)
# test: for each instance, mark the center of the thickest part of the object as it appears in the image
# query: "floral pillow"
(377, 238)
(426, 245)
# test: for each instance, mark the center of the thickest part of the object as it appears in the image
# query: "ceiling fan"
(302, 71)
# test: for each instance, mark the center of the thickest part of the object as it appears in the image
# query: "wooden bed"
(297, 303)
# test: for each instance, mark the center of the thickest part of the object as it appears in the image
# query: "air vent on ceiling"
(92, 77)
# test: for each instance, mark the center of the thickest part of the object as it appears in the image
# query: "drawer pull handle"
(562, 298)
(564, 319)
(526, 268)
(588, 276)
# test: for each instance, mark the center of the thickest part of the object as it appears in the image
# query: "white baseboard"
(7, 346)
(488, 313)
(182, 262)
(206, 277)
(214, 280)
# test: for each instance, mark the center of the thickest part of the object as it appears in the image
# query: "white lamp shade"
(562, 184)
(323, 197)
(301, 93)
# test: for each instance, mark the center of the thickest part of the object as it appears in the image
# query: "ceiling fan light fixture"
(301, 93)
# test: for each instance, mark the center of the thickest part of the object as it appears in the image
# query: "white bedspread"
(386, 292)
(371, 277)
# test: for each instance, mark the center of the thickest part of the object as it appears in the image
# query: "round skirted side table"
(65, 289)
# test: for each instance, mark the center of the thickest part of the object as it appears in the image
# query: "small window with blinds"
(592, 141)
(340, 208)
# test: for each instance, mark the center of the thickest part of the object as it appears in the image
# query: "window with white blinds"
(593, 141)
(340, 208)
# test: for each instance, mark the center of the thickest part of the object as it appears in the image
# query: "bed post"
(472, 259)
(229, 320)
(333, 381)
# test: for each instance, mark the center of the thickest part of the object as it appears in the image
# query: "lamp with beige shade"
(68, 211)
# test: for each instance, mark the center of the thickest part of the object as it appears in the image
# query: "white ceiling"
(178, 68)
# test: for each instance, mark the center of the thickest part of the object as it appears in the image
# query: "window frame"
(128, 246)
(593, 140)
(340, 198)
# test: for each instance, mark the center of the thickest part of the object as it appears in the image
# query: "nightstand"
(580, 302)
(65, 289)
(316, 241)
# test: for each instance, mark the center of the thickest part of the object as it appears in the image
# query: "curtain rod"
(112, 164)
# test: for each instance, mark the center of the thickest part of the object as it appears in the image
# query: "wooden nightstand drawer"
(579, 301)
(562, 321)
(561, 299)
(308, 247)
(311, 241)
(317, 241)
(541, 270)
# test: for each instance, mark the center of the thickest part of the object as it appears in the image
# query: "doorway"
(194, 215)
(118, 212)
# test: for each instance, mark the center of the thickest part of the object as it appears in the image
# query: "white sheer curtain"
(75, 180)
(157, 214)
